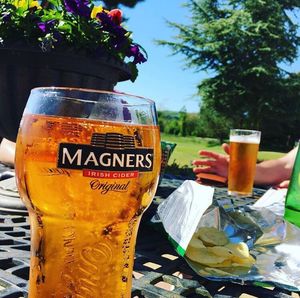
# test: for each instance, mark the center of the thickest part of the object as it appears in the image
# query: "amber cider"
(242, 165)
(84, 221)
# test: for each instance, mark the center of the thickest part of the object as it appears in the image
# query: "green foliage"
(168, 122)
(242, 43)
(179, 123)
(281, 127)
(182, 121)
(192, 125)
(213, 124)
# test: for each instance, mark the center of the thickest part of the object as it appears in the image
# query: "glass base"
(235, 193)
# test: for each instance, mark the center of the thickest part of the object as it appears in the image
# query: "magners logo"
(107, 152)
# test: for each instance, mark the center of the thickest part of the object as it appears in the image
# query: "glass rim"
(245, 130)
(148, 101)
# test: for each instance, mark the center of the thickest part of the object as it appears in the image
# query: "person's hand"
(283, 184)
(214, 163)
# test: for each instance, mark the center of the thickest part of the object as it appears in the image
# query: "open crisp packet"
(272, 243)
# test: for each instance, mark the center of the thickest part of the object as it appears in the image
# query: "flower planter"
(24, 69)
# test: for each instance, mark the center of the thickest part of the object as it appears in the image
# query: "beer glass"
(243, 155)
(87, 167)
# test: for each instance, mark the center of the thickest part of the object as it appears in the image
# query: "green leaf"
(65, 26)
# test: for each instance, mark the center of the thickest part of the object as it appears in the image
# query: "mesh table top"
(158, 270)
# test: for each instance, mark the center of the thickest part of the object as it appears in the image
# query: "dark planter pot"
(21, 70)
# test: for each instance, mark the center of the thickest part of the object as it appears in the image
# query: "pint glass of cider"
(243, 155)
(87, 167)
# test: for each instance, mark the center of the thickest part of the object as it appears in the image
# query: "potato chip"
(196, 242)
(203, 256)
(211, 247)
(240, 249)
(221, 251)
(212, 236)
(225, 263)
(248, 262)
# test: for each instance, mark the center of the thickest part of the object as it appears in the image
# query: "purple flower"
(119, 39)
(135, 52)
(118, 33)
(78, 7)
(109, 25)
(46, 26)
(6, 17)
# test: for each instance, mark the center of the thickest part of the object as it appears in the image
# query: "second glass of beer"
(243, 156)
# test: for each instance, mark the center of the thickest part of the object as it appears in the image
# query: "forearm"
(272, 172)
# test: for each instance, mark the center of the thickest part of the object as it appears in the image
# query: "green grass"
(187, 149)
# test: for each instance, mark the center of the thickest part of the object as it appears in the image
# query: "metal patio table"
(158, 270)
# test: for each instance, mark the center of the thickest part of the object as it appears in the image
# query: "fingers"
(204, 166)
(204, 162)
(283, 184)
(210, 154)
(204, 170)
(226, 148)
(212, 162)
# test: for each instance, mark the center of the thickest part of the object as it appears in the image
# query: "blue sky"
(163, 77)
